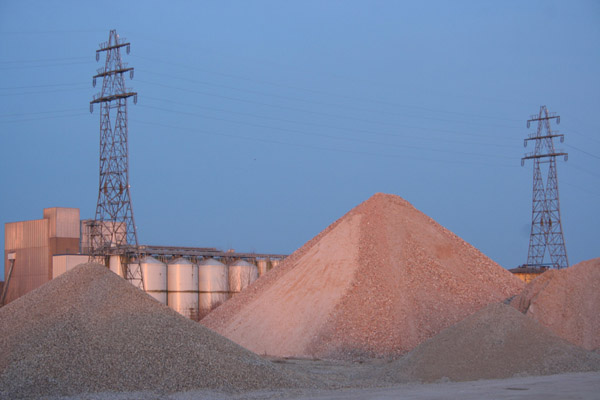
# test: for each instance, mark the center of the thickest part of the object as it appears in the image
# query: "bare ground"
(579, 386)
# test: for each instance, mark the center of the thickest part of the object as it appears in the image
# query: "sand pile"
(376, 283)
(496, 342)
(90, 331)
(566, 301)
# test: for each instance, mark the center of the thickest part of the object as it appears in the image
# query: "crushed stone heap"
(91, 331)
(375, 283)
(567, 301)
(494, 343)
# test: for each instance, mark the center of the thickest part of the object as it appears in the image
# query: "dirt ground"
(355, 383)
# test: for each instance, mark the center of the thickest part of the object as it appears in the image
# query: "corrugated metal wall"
(63, 222)
(30, 271)
(24, 234)
(34, 243)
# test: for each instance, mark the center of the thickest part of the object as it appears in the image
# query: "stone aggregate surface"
(91, 331)
(495, 342)
(376, 283)
(567, 301)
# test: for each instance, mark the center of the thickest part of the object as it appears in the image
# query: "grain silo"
(155, 278)
(182, 284)
(262, 265)
(115, 265)
(213, 285)
(275, 263)
(241, 274)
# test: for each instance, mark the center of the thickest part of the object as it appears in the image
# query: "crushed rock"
(375, 283)
(567, 301)
(496, 342)
(90, 331)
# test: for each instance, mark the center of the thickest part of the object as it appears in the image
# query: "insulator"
(558, 119)
(562, 139)
(94, 82)
(135, 99)
(91, 108)
(522, 162)
(128, 49)
(566, 157)
(524, 142)
(131, 74)
(97, 56)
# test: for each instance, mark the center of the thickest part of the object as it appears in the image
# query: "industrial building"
(191, 280)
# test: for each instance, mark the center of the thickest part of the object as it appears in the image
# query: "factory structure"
(191, 280)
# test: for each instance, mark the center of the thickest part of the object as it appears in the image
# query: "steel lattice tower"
(113, 231)
(546, 226)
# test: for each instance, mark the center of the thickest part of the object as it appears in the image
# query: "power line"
(278, 106)
(345, 129)
(582, 151)
(44, 118)
(379, 111)
(43, 86)
(328, 136)
(43, 60)
(337, 150)
(39, 112)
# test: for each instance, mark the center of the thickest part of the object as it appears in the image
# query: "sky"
(259, 123)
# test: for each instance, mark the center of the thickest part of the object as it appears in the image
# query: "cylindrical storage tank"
(182, 285)
(114, 264)
(155, 278)
(275, 263)
(213, 285)
(241, 274)
(262, 266)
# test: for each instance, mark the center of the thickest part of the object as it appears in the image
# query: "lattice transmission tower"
(113, 230)
(546, 226)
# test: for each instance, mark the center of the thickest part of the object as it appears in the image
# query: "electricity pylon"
(546, 226)
(113, 231)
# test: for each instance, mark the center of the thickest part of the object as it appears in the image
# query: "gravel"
(496, 342)
(567, 301)
(90, 331)
(376, 283)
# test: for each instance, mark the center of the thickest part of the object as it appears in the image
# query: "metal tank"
(115, 265)
(263, 266)
(241, 274)
(155, 278)
(182, 285)
(213, 285)
(275, 263)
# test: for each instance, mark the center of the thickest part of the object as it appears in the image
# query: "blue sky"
(261, 122)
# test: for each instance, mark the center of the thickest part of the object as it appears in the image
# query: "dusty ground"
(552, 387)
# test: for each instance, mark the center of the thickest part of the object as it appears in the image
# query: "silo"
(115, 265)
(262, 265)
(155, 278)
(213, 285)
(241, 274)
(182, 284)
(275, 263)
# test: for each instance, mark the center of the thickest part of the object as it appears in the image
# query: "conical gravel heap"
(376, 283)
(91, 331)
(494, 343)
(567, 301)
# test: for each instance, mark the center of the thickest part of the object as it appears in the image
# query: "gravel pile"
(376, 283)
(91, 331)
(567, 301)
(496, 342)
